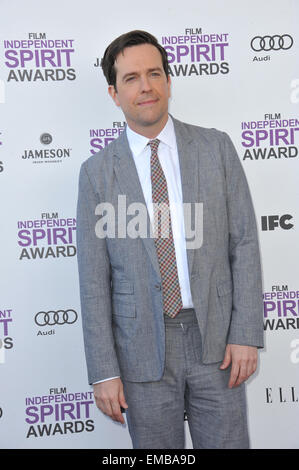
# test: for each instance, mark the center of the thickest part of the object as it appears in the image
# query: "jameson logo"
(59, 412)
(46, 138)
(273, 137)
(39, 59)
(47, 237)
(195, 53)
(46, 155)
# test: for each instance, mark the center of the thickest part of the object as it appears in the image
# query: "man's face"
(142, 89)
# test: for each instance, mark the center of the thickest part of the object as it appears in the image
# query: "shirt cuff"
(100, 381)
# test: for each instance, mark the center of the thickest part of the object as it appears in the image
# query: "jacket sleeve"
(246, 326)
(95, 287)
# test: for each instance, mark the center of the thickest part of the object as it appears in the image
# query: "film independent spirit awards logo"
(59, 412)
(37, 58)
(1, 142)
(49, 236)
(270, 136)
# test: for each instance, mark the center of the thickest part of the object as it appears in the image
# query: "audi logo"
(61, 317)
(271, 43)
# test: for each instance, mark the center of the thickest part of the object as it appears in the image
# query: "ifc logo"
(46, 138)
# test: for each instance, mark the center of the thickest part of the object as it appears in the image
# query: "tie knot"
(154, 144)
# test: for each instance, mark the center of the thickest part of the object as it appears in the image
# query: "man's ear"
(113, 93)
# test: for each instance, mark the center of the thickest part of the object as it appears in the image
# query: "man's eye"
(129, 79)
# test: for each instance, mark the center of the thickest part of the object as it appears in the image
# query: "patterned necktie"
(172, 301)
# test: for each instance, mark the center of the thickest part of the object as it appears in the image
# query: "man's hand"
(244, 363)
(109, 396)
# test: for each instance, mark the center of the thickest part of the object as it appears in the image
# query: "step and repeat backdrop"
(234, 65)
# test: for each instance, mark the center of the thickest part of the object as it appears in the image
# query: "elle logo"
(286, 395)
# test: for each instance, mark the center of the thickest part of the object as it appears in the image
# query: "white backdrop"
(55, 111)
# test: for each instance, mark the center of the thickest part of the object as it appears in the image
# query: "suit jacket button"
(158, 286)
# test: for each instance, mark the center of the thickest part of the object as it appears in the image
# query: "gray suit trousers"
(216, 414)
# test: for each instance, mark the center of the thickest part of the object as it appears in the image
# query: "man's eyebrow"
(154, 69)
(129, 74)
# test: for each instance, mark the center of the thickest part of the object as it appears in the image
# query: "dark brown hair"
(132, 38)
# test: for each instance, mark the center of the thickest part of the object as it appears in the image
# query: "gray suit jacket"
(120, 283)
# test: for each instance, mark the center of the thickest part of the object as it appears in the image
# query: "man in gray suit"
(171, 324)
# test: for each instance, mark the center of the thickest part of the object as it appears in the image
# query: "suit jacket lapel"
(128, 179)
(188, 158)
(127, 176)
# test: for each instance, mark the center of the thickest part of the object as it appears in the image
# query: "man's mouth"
(147, 102)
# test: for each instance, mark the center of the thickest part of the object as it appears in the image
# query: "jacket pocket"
(123, 301)
(123, 306)
(224, 287)
(122, 287)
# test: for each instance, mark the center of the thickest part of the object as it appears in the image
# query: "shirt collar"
(138, 142)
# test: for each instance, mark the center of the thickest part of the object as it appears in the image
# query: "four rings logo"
(271, 43)
(61, 317)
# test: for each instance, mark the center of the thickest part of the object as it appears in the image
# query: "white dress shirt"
(169, 160)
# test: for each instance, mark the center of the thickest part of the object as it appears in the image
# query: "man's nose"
(145, 83)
